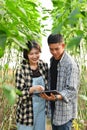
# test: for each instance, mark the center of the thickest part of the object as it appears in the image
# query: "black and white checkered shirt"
(23, 76)
(67, 85)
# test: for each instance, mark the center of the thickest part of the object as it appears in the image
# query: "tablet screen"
(48, 92)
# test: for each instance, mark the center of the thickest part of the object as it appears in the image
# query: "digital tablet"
(48, 92)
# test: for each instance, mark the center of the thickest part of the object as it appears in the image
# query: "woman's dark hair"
(30, 46)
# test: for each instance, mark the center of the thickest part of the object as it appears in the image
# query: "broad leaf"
(10, 93)
(74, 42)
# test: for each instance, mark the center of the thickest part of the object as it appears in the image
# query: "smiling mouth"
(34, 59)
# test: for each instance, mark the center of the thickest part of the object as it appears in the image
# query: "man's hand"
(52, 97)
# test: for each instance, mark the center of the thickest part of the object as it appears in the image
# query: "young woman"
(31, 76)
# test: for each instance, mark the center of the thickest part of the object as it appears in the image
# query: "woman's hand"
(37, 88)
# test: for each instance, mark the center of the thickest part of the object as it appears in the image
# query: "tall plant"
(19, 22)
(69, 18)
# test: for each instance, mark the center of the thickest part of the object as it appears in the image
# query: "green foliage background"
(22, 20)
(70, 19)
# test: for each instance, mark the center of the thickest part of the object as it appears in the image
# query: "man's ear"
(63, 45)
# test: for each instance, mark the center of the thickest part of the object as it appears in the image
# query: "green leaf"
(0, 67)
(74, 13)
(80, 32)
(1, 52)
(32, 3)
(3, 38)
(57, 2)
(18, 92)
(22, 11)
(74, 42)
(9, 93)
(6, 66)
(45, 17)
(19, 43)
(58, 28)
(83, 97)
(8, 88)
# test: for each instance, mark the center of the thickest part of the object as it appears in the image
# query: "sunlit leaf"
(10, 93)
(22, 11)
(83, 97)
(19, 43)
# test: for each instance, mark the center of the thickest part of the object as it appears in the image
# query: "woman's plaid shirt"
(24, 111)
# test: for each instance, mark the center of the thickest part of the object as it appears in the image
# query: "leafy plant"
(19, 22)
(69, 18)
(10, 93)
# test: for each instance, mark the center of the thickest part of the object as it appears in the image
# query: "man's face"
(57, 50)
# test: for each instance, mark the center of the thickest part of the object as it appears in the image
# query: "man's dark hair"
(30, 46)
(55, 38)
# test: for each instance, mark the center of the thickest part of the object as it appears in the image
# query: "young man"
(64, 77)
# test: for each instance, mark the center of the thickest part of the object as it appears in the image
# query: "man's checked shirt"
(67, 85)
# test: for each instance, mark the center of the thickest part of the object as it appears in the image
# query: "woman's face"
(34, 56)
